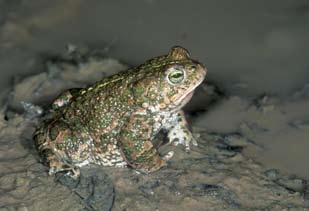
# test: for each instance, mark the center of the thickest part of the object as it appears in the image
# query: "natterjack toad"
(114, 121)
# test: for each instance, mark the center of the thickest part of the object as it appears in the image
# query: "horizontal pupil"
(177, 75)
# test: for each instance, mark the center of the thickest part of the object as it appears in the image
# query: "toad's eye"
(176, 75)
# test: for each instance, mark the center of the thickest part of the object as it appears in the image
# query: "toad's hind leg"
(137, 147)
(46, 140)
(56, 165)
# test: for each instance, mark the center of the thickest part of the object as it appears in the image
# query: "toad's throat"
(185, 98)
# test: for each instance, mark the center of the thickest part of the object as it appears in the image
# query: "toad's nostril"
(193, 67)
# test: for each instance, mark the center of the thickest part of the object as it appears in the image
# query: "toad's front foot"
(168, 156)
(181, 135)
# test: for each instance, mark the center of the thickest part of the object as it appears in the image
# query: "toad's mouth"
(185, 98)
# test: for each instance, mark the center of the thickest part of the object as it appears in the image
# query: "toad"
(114, 121)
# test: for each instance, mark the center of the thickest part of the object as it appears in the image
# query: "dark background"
(249, 47)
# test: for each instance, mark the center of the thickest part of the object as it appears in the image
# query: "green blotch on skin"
(53, 133)
(139, 91)
(128, 152)
(60, 146)
(140, 159)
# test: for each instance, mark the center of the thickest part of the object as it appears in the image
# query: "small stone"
(149, 187)
(272, 174)
(268, 108)
(93, 187)
(235, 140)
(31, 110)
(294, 185)
(22, 209)
(306, 193)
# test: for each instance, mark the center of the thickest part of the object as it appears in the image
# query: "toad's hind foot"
(56, 166)
(155, 164)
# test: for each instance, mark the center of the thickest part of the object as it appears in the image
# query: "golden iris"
(176, 76)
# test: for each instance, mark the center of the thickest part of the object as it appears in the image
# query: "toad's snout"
(202, 70)
(200, 73)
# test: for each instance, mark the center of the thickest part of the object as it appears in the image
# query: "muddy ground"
(219, 174)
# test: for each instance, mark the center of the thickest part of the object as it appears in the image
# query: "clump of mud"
(216, 175)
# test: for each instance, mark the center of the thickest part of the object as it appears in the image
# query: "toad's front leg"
(179, 133)
(137, 147)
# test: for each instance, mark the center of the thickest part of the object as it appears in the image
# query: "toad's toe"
(168, 155)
